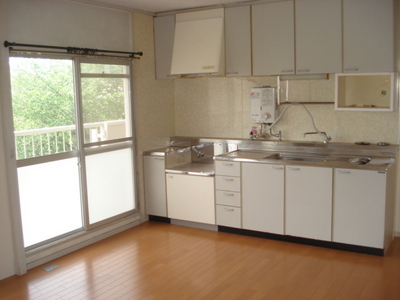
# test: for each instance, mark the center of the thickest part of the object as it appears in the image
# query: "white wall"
(65, 23)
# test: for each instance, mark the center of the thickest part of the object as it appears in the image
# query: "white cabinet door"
(154, 186)
(273, 38)
(262, 197)
(308, 202)
(191, 198)
(318, 36)
(238, 41)
(359, 207)
(368, 37)
(164, 28)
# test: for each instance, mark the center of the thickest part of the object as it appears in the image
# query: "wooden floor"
(164, 261)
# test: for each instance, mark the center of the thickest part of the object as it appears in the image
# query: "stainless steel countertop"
(199, 169)
(169, 150)
(331, 161)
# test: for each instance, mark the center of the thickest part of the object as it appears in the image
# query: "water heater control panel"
(263, 105)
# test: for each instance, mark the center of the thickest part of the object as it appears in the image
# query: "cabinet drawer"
(227, 168)
(227, 183)
(227, 198)
(228, 216)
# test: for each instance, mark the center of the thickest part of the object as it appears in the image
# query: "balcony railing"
(46, 141)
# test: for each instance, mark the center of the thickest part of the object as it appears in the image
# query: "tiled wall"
(219, 107)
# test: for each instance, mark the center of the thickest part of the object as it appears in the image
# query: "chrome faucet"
(277, 135)
(198, 152)
(322, 134)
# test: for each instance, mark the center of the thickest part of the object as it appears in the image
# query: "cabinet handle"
(277, 168)
(304, 71)
(228, 164)
(229, 194)
(294, 169)
(287, 71)
(228, 179)
(343, 172)
(159, 158)
(232, 73)
(351, 69)
(228, 209)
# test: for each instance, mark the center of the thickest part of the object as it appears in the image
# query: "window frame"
(84, 149)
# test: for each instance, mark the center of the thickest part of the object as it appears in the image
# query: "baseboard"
(60, 248)
(195, 225)
(304, 241)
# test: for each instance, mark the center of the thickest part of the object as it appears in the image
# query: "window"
(74, 144)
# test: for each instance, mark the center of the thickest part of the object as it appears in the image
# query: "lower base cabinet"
(359, 208)
(308, 202)
(191, 198)
(263, 197)
(154, 185)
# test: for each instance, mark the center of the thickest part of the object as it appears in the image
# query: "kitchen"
(218, 108)
(204, 106)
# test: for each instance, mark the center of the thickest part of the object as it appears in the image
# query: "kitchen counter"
(169, 150)
(308, 159)
(199, 169)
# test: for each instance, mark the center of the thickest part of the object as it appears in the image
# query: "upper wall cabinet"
(164, 28)
(238, 41)
(318, 36)
(368, 36)
(273, 38)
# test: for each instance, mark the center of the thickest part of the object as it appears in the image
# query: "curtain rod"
(75, 50)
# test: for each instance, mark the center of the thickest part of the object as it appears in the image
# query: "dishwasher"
(190, 187)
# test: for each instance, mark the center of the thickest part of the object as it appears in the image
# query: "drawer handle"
(287, 71)
(229, 194)
(228, 164)
(159, 158)
(228, 209)
(351, 69)
(304, 70)
(228, 179)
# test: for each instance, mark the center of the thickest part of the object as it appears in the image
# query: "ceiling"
(159, 6)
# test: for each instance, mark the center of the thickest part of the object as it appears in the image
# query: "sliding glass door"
(107, 139)
(74, 146)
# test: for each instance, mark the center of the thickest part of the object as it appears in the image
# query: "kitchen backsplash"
(219, 107)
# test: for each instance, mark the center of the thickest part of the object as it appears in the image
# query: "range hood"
(199, 43)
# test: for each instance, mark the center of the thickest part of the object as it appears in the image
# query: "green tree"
(43, 97)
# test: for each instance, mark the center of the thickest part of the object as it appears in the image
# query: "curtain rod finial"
(7, 44)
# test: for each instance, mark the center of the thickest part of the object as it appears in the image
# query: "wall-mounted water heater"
(263, 105)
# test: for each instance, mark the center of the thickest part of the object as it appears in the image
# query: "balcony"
(47, 141)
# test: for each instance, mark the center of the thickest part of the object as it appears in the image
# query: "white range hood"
(199, 43)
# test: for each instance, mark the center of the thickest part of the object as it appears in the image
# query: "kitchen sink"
(297, 157)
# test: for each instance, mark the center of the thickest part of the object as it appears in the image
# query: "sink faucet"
(277, 135)
(198, 152)
(322, 134)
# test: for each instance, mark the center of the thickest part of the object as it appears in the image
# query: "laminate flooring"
(163, 261)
